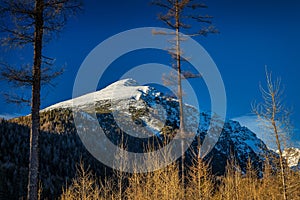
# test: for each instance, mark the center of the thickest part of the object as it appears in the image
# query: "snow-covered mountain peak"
(124, 82)
(120, 90)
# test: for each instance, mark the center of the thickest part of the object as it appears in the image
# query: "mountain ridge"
(143, 105)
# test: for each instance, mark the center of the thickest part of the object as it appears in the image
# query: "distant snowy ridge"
(292, 155)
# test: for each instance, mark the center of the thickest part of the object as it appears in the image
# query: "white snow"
(123, 89)
(292, 155)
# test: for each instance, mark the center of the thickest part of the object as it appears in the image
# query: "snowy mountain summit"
(156, 114)
(120, 90)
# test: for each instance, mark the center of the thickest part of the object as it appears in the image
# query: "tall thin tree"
(33, 22)
(179, 14)
(275, 117)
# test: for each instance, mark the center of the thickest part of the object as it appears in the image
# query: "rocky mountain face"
(154, 114)
(140, 109)
(292, 155)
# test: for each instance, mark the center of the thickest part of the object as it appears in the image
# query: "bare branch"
(47, 75)
(189, 75)
(154, 32)
(16, 37)
(18, 19)
(204, 19)
(18, 77)
(197, 5)
(16, 99)
(160, 4)
(23, 76)
(166, 20)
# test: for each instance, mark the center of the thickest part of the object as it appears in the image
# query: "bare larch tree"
(35, 22)
(179, 16)
(274, 116)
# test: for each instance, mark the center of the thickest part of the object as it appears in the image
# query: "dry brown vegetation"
(165, 184)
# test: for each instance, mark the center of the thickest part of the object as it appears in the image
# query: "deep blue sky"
(253, 34)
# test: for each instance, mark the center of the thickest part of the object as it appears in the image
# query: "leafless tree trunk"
(179, 90)
(278, 143)
(177, 10)
(35, 102)
(30, 22)
(275, 117)
(35, 108)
